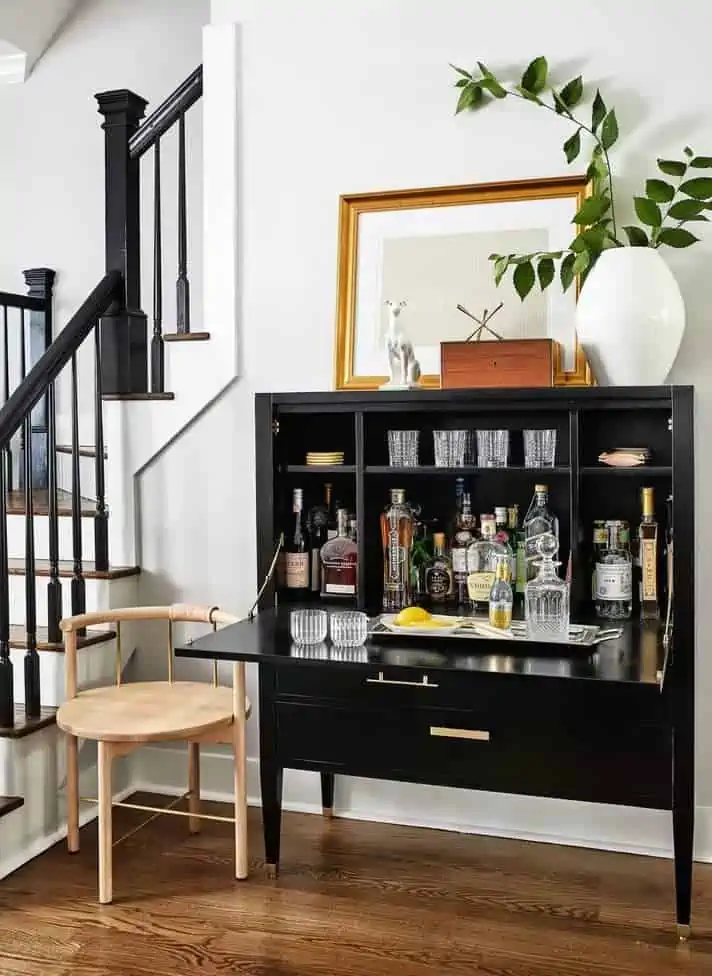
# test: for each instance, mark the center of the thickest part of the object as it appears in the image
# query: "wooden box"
(498, 363)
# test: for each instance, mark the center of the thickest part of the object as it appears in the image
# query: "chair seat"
(148, 711)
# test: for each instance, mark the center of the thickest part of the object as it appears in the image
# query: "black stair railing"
(127, 367)
(18, 413)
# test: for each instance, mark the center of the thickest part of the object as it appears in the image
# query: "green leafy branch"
(596, 218)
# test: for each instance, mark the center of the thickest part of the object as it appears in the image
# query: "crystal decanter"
(546, 600)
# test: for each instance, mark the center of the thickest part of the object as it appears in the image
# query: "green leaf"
(659, 190)
(688, 152)
(524, 279)
(461, 82)
(599, 111)
(701, 162)
(581, 262)
(597, 170)
(577, 244)
(592, 210)
(609, 129)
(637, 236)
(699, 217)
(672, 167)
(534, 78)
(566, 272)
(561, 107)
(572, 93)
(470, 97)
(461, 71)
(572, 146)
(594, 237)
(530, 95)
(545, 272)
(520, 258)
(699, 188)
(648, 211)
(493, 87)
(500, 268)
(676, 237)
(685, 209)
(485, 70)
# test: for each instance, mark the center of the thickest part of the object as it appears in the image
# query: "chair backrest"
(177, 613)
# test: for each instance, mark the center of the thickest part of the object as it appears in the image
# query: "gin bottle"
(546, 601)
(482, 557)
(614, 576)
(397, 540)
(538, 521)
(460, 544)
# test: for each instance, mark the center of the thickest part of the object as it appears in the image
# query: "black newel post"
(124, 341)
(40, 284)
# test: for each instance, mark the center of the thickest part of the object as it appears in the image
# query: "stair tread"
(26, 726)
(186, 336)
(18, 638)
(139, 396)
(10, 803)
(85, 450)
(66, 567)
(40, 503)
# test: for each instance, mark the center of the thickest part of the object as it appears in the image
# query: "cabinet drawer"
(614, 763)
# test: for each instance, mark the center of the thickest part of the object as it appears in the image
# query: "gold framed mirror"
(430, 247)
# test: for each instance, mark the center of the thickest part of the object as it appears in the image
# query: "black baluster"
(182, 286)
(157, 346)
(78, 585)
(23, 374)
(101, 521)
(7, 700)
(32, 659)
(6, 390)
(54, 587)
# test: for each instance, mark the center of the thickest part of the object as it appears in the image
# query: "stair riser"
(100, 595)
(96, 666)
(16, 537)
(87, 474)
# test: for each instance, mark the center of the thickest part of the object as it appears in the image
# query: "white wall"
(356, 96)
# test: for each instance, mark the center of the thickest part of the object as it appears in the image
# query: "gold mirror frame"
(353, 205)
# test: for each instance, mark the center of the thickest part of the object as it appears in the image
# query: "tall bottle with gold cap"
(648, 557)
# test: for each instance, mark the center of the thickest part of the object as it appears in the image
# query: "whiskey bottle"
(501, 597)
(397, 541)
(317, 537)
(297, 550)
(648, 557)
(438, 576)
(482, 557)
(614, 577)
(339, 561)
(539, 520)
(460, 544)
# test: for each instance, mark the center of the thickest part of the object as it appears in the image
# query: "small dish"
(443, 625)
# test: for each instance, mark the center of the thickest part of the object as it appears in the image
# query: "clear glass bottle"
(297, 550)
(482, 556)
(339, 561)
(438, 576)
(538, 521)
(600, 543)
(464, 532)
(648, 557)
(614, 576)
(546, 600)
(501, 598)
(397, 540)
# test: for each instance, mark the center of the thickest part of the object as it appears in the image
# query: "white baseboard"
(602, 826)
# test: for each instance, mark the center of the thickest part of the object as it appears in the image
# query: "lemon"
(411, 616)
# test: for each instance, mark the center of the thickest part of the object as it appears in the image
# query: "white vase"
(630, 317)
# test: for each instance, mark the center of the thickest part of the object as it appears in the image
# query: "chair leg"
(240, 772)
(194, 786)
(72, 793)
(105, 812)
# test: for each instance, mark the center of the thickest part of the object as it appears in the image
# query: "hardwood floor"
(353, 899)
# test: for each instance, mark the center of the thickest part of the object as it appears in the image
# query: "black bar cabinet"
(612, 723)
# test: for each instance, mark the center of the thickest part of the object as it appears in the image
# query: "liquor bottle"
(317, 537)
(353, 529)
(546, 601)
(600, 542)
(482, 556)
(501, 519)
(438, 576)
(519, 560)
(339, 561)
(501, 597)
(297, 550)
(463, 537)
(397, 541)
(454, 518)
(648, 557)
(331, 527)
(614, 577)
(539, 520)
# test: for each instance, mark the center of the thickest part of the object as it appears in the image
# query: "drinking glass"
(403, 448)
(539, 448)
(308, 626)
(492, 448)
(349, 628)
(449, 448)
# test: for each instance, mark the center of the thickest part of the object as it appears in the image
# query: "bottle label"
(438, 583)
(315, 570)
(479, 586)
(500, 615)
(297, 570)
(340, 589)
(459, 561)
(648, 561)
(600, 536)
(614, 582)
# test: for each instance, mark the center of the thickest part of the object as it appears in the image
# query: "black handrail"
(22, 301)
(167, 113)
(50, 364)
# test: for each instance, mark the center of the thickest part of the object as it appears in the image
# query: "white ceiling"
(27, 28)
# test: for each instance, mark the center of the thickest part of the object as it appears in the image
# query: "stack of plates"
(327, 459)
(625, 457)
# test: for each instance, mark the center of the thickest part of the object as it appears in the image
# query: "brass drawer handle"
(479, 735)
(380, 680)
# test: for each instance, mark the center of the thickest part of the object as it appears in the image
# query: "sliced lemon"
(412, 615)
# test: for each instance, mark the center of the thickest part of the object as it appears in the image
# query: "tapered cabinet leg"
(240, 772)
(194, 786)
(683, 826)
(327, 794)
(105, 833)
(271, 782)
(72, 794)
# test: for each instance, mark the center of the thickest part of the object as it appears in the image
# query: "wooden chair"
(123, 717)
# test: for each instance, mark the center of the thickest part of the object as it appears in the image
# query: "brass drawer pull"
(380, 680)
(479, 735)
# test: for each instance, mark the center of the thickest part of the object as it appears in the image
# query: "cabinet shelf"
(641, 471)
(320, 469)
(468, 469)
